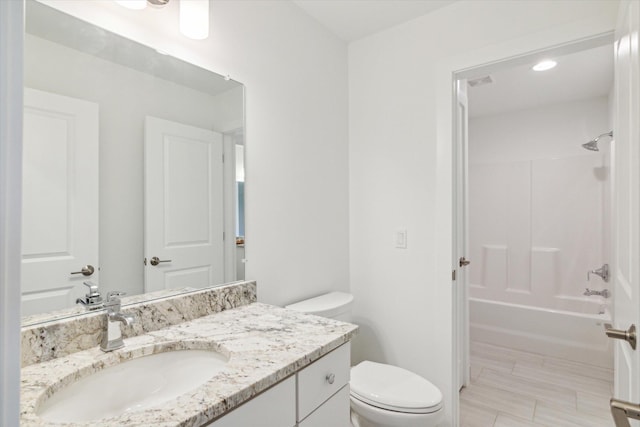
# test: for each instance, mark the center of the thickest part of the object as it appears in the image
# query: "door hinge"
(224, 236)
(453, 274)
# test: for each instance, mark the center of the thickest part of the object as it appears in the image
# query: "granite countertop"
(264, 344)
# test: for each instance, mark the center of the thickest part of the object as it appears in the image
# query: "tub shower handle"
(622, 411)
(602, 272)
(628, 336)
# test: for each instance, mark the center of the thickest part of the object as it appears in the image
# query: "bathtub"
(565, 334)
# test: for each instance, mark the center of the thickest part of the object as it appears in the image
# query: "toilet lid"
(393, 388)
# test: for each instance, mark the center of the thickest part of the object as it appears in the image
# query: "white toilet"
(381, 395)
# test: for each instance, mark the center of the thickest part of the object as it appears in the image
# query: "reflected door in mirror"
(184, 218)
(60, 199)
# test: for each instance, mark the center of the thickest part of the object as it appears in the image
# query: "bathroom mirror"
(133, 169)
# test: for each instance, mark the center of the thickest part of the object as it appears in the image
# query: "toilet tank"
(334, 305)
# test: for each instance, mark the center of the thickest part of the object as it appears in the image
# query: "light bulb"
(544, 65)
(194, 18)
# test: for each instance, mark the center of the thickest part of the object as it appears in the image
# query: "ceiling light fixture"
(544, 65)
(194, 15)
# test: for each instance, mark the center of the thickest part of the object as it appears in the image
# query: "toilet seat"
(395, 389)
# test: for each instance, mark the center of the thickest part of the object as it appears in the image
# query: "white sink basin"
(132, 385)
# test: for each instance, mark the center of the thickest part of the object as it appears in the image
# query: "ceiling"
(353, 19)
(582, 75)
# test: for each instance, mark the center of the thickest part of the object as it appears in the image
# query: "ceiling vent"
(485, 80)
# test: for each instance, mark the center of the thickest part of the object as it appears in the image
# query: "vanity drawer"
(322, 379)
(335, 412)
(275, 407)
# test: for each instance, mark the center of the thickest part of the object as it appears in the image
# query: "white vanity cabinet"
(275, 407)
(323, 390)
(316, 396)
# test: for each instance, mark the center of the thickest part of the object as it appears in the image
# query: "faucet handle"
(113, 296)
(93, 288)
(92, 300)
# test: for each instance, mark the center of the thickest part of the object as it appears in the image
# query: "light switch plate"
(401, 239)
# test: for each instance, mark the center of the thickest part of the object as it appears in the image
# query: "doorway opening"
(534, 217)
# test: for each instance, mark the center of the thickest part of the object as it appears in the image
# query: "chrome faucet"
(112, 335)
(603, 272)
(603, 293)
(92, 300)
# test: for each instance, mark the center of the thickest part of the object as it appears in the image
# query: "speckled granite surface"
(265, 344)
(78, 309)
(61, 337)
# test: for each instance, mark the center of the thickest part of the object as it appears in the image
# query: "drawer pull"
(330, 378)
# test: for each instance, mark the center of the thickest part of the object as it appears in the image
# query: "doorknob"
(464, 261)
(155, 260)
(87, 270)
(622, 411)
(629, 335)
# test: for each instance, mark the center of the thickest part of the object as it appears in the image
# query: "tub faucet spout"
(603, 293)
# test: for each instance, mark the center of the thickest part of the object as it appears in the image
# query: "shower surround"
(538, 221)
(536, 228)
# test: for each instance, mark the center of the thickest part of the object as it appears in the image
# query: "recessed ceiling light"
(544, 65)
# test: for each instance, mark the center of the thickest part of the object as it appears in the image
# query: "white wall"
(557, 130)
(398, 168)
(295, 74)
(537, 202)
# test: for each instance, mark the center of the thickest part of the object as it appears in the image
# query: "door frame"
(11, 87)
(558, 41)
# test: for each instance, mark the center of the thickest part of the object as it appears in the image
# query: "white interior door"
(627, 200)
(184, 221)
(60, 199)
(461, 235)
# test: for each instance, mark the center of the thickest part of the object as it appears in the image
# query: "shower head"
(593, 144)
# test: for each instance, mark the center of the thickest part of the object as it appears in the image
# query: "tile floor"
(512, 388)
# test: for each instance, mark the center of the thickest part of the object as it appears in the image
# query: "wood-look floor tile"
(553, 417)
(474, 416)
(563, 378)
(494, 352)
(564, 393)
(474, 371)
(506, 420)
(584, 369)
(499, 400)
(538, 390)
(596, 404)
(496, 365)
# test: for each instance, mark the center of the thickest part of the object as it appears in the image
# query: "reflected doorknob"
(155, 260)
(87, 270)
